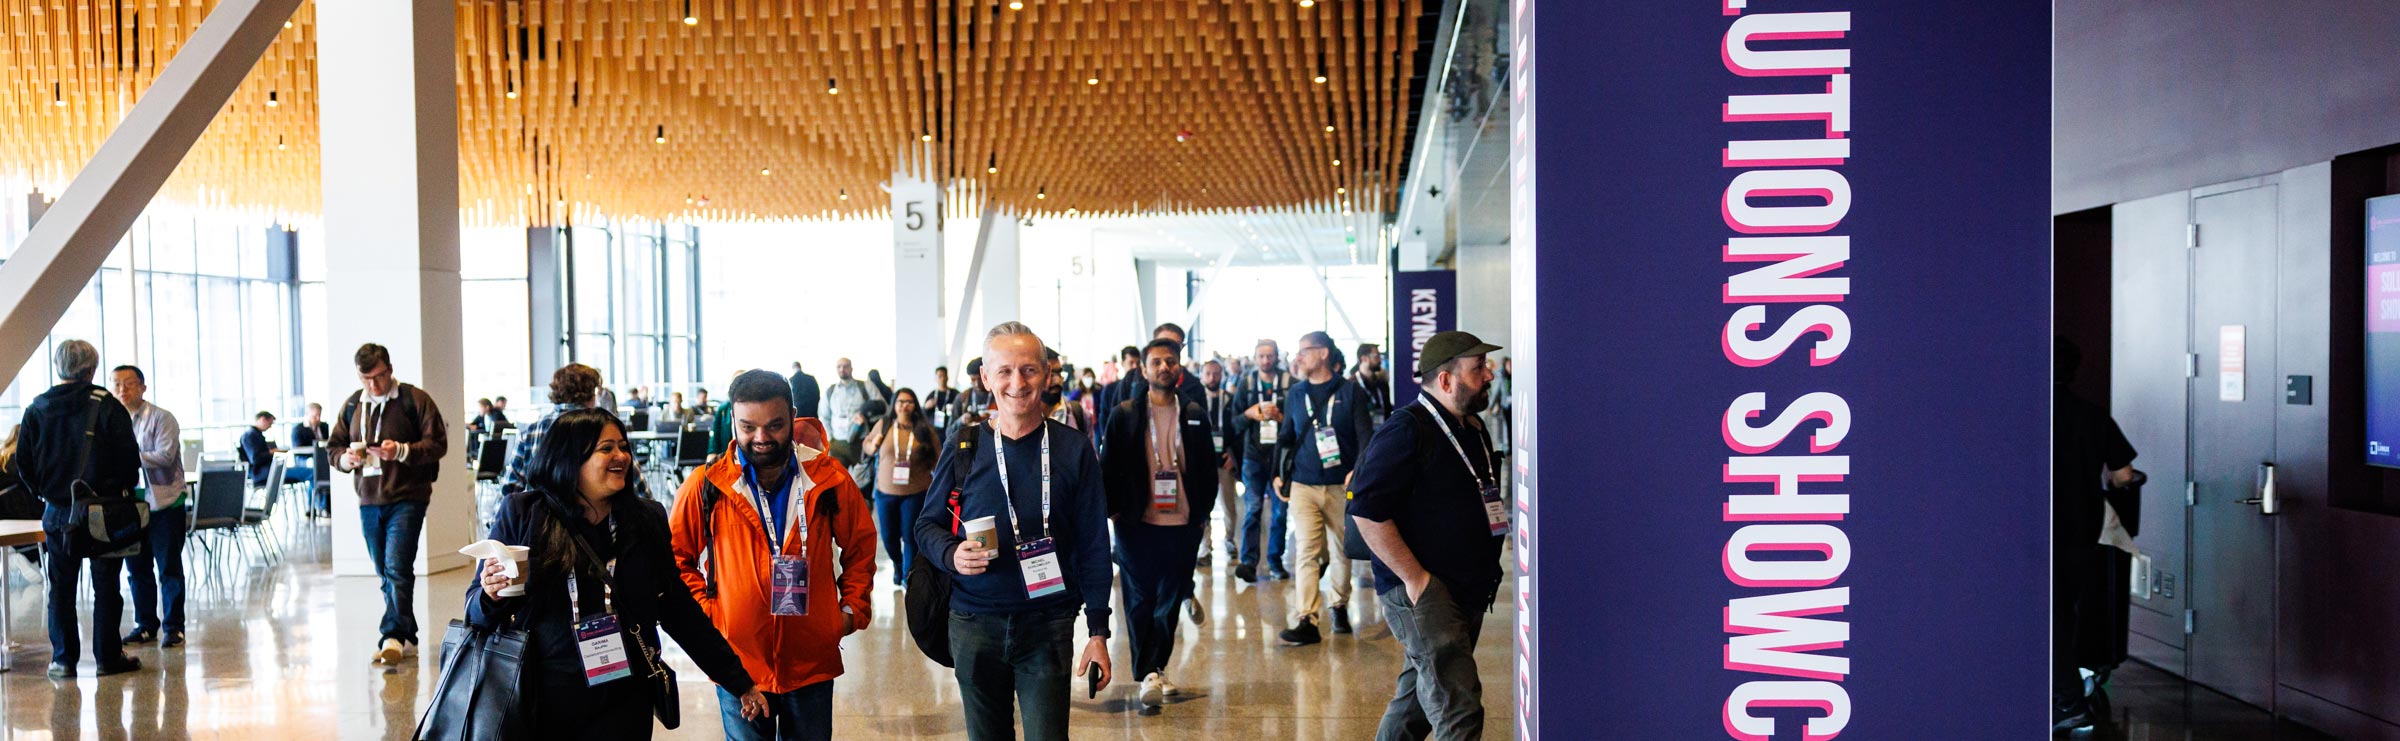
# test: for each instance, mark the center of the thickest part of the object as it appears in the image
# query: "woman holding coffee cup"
(598, 587)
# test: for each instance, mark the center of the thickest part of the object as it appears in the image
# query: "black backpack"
(929, 587)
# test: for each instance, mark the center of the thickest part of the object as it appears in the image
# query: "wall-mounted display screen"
(2383, 331)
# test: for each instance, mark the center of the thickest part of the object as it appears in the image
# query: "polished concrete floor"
(281, 652)
(2147, 704)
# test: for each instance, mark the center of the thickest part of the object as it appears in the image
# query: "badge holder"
(1039, 561)
(1329, 447)
(1495, 512)
(790, 595)
(599, 640)
(1165, 490)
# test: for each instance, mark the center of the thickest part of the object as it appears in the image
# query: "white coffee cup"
(517, 555)
(984, 530)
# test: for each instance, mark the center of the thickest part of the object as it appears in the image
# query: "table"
(13, 533)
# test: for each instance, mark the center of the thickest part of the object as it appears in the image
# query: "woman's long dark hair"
(556, 476)
(919, 426)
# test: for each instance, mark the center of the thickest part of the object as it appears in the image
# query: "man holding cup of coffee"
(1038, 485)
(392, 440)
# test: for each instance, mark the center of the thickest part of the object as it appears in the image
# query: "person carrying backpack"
(76, 435)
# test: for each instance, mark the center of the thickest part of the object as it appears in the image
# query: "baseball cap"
(1444, 347)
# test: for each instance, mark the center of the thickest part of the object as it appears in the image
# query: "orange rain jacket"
(781, 653)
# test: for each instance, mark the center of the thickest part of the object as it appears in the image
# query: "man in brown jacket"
(391, 439)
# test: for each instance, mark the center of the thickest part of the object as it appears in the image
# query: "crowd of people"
(1017, 502)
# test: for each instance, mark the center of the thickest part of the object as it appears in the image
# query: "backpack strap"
(708, 535)
(91, 433)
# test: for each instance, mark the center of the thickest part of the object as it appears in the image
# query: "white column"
(1000, 277)
(389, 113)
(916, 281)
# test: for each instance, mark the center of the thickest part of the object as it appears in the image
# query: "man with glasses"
(391, 439)
(1317, 449)
(157, 575)
(1259, 397)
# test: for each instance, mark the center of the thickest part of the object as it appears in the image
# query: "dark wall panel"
(2159, 97)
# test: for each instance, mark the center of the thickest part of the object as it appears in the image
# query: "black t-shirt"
(1411, 476)
(2089, 444)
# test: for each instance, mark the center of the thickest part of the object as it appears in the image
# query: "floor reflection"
(2147, 704)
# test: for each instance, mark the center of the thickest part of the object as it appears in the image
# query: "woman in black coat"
(580, 517)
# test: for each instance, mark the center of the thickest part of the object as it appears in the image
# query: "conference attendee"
(478, 427)
(843, 399)
(1054, 399)
(804, 393)
(1161, 474)
(601, 569)
(906, 446)
(1317, 451)
(255, 451)
(1115, 393)
(1013, 604)
(157, 574)
(392, 440)
(1189, 388)
(1427, 501)
(310, 430)
(76, 421)
(308, 437)
(1221, 416)
(974, 404)
(573, 386)
(603, 398)
(2090, 460)
(937, 404)
(499, 420)
(1371, 378)
(639, 418)
(779, 547)
(1259, 399)
(683, 415)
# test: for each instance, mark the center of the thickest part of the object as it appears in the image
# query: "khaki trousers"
(1316, 512)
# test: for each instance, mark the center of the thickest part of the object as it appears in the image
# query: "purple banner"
(1424, 303)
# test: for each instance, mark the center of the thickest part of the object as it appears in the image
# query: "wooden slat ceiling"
(781, 108)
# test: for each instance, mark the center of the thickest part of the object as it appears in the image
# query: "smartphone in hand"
(1091, 680)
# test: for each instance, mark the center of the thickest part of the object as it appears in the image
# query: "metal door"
(2232, 444)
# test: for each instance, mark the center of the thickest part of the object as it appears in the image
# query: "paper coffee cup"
(517, 555)
(983, 529)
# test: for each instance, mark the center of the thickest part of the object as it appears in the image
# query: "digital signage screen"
(2383, 331)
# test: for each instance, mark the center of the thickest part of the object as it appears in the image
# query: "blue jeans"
(108, 603)
(1017, 661)
(895, 518)
(1258, 491)
(391, 531)
(804, 714)
(158, 574)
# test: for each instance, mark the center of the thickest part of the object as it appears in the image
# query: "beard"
(1478, 401)
(769, 455)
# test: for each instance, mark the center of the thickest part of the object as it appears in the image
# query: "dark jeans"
(1439, 693)
(108, 604)
(391, 531)
(895, 516)
(2070, 567)
(1258, 491)
(1155, 562)
(1018, 660)
(158, 574)
(804, 714)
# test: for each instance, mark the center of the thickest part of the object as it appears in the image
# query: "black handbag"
(929, 587)
(102, 524)
(481, 690)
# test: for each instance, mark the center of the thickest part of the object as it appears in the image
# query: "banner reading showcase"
(1424, 304)
(1796, 253)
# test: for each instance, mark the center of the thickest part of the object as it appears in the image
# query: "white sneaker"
(408, 649)
(1152, 688)
(1191, 606)
(1165, 687)
(389, 652)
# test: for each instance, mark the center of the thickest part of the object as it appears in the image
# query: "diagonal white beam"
(1308, 254)
(74, 237)
(1208, 288)
(966, 303)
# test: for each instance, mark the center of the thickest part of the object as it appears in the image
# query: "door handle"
(2267, 504)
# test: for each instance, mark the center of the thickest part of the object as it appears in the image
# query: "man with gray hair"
(50, 446)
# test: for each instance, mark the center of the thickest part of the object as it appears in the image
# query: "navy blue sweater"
(1078, 521)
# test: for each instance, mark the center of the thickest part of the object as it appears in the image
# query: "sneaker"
(141, 635)
(122, 665)
(1191, 606)
(1301, 635)
(408, 649)
(1152, 691)
(1279, 571)
(1247, 573)
(1166, 687)
(62, 671)
(389, 651)
(1203, 562)
(1341, 621)
(173, 639)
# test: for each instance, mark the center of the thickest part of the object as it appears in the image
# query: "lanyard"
(1480, 479)
(793, 509)
(607, 590)
(1001, 455)
(1175, 431)
(1309, 405)
(903, 442)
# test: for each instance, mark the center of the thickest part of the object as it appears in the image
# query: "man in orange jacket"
(756, 536)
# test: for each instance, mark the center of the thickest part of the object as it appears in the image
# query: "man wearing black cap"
(1426, 499)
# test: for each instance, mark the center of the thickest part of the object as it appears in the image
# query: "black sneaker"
(173, 638)
(141, 635)
(1246, 572)
(1279, 571)
(122, 665)
(2070, 717)
(1301, 635)
(1341, 621)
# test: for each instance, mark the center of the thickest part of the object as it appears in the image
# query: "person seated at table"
(258, 454)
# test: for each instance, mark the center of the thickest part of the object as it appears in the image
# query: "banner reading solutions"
(1788, 478)
(1424, 303)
